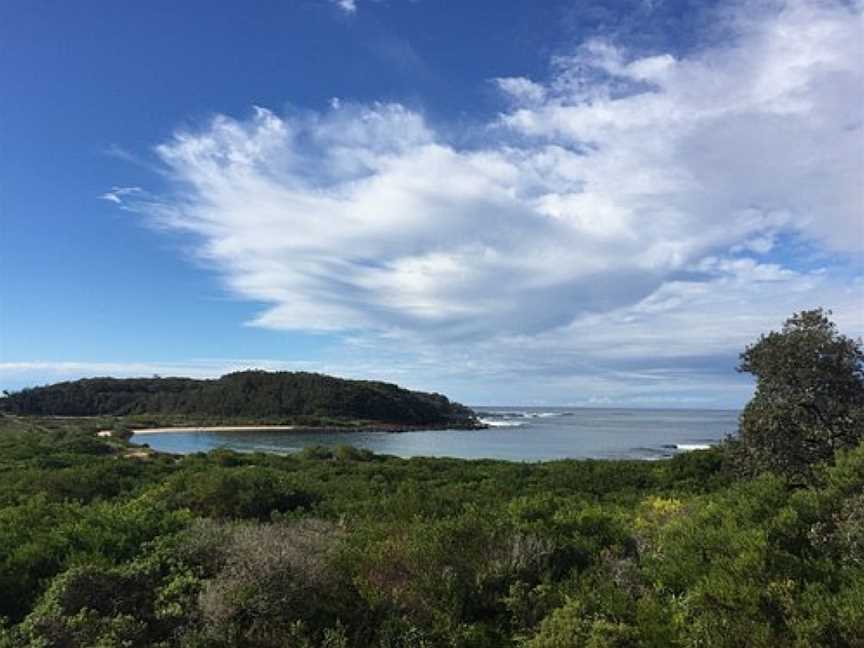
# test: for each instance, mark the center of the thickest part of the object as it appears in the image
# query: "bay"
(515, 434)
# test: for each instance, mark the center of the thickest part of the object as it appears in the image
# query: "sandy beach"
(218, 428)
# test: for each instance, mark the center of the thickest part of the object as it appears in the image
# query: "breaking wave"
(686, 447)
(501, 423)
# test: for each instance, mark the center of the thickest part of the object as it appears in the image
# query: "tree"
(809, 399)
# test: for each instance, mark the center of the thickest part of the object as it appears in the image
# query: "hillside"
(247, 394)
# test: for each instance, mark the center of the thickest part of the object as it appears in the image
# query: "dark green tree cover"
(809, 399)
(339, 547)
(300, 397)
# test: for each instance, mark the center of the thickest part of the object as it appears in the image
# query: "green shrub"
(93, 606)
(244, 492)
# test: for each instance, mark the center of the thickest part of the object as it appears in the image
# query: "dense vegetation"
(303, 398)
(104, 544)
(100, 546)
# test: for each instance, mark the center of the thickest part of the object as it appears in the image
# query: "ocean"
(515, 434)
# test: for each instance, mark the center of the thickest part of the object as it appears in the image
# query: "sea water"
(514, 434)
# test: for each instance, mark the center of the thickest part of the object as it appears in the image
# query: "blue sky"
(509, 202)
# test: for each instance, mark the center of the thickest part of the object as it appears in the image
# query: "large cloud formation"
(627, 212)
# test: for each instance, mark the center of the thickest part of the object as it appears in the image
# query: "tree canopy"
(249, 394)
(809, 399)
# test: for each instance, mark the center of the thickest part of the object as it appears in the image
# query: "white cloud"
(348, 6)
(617, 212)
(117, 195)
(522, 89)
(771, 123)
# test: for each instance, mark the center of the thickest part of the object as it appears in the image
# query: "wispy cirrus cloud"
(626, 214)
(119, 195)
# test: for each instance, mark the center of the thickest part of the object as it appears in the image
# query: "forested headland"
(286, 397)
(758, 542)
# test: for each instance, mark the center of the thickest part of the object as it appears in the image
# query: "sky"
(509, 202)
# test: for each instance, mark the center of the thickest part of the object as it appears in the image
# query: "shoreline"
(383, 427)
(214, 428)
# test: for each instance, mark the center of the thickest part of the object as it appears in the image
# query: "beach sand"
(218, 428)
